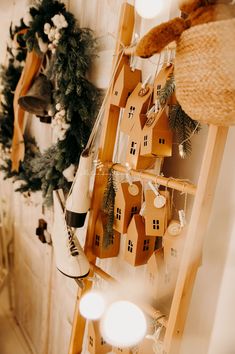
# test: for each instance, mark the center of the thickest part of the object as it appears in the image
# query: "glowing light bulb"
(123, 324)
(92, 305)
(149, 8)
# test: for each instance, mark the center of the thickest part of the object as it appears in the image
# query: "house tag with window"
(124, 85)
(156, 136)
(137, 103)
(161, 79)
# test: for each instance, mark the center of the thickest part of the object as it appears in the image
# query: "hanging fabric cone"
(79, 199)
(69, 255)
(32, 66)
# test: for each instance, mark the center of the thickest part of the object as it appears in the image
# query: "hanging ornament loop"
(160, 200)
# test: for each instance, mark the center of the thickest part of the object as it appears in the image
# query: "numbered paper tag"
(133, 189)
(159, 201)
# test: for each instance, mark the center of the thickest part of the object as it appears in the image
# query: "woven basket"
(205, 72)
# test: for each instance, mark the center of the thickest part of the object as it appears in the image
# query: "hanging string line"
(190, 136)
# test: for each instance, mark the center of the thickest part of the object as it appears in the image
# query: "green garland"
(108, 206)
(53, 31)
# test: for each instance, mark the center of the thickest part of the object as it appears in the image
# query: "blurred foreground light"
(123, 324)
(149, 8)
(92, 305)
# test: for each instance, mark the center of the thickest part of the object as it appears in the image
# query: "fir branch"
(45, 167)
(108, 206)
(167, 90)
(184, 127)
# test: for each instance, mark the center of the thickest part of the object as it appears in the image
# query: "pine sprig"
(184, 127)
(29, 181)
(167, 91)
(45, 166)
(108, 206)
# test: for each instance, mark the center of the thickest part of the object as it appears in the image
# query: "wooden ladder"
(203, 193)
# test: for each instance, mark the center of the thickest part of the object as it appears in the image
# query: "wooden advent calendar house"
(160, 81)
(159, 280)
(126, 205)
(138, 247)
(137, 103)
(117, 350)
(144, 347)
(156, 219)
(156, 139)
(133, 157)
(96, 343)
(124, 85)
(99, 248)
(173, 243)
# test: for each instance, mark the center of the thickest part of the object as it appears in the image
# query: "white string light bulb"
(123, 324)
(92, 305)
(149, 8)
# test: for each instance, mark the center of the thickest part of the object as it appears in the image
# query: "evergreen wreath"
(53, 32)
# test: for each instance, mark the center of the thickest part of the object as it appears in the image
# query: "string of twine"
(190, 136)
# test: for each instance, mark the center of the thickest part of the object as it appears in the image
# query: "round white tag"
(159, 201)
(133, 189)
(174, 229)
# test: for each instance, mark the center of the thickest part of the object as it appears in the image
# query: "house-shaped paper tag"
(118, 350)
(100, 249)
(156, 137)
(173, 244)
(127, 203)
(159, 283)
(124, 85)
(133, 157)
(139, 247)
(137, 103)
(161, 80)
(156, 218)
(96, 343)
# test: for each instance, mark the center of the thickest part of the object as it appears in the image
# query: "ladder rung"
(174, 183)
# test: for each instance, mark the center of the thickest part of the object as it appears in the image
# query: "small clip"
(182, 218)
(154, 189)
(144, 88)
(142, 210)
(128, 176)
(146, 81)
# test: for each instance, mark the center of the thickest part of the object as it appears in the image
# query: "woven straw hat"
(205, 72)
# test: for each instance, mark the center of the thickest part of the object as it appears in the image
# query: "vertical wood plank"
(126, 24)
(191, 259)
